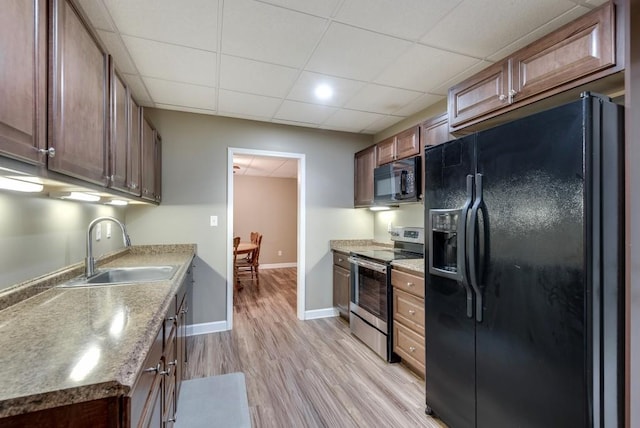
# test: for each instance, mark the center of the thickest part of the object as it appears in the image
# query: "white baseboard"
(279, 265)
(206, 328)
(320, 313)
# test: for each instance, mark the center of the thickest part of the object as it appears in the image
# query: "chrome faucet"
(89, 262)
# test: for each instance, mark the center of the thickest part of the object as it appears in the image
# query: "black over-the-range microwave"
(397, 182)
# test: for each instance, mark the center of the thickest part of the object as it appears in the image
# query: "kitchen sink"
(124, 275)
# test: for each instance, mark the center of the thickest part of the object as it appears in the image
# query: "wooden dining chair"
(236, 280)
(251, 263)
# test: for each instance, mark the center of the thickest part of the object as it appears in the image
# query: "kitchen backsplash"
(407, 215)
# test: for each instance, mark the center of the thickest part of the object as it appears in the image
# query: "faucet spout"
(89, 262)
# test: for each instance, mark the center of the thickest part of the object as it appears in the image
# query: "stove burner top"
(387, 256)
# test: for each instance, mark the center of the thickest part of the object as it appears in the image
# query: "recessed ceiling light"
(324, 91)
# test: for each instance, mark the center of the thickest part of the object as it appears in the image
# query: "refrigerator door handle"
(471, 247)
(462, 242)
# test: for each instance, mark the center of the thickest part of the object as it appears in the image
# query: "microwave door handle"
(403, 182)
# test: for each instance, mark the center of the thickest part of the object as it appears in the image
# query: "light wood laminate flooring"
(306, 373)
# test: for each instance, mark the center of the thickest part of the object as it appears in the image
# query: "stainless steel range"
(371, 293)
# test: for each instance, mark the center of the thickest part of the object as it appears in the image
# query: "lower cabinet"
(341, 283)
(408, 319)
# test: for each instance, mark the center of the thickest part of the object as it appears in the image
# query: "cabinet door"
(157, 188)
(408, 143)
(365, 163)
(341, 286)
(23, 78)
(483, 93)
(386, 151)
(148, 160)
(436, 130)
(79, 98)
(578, 49)
(135, 148)
(119, 141)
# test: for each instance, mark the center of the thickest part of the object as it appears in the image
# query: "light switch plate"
(213, 220)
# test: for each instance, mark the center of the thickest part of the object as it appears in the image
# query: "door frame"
(301, 226)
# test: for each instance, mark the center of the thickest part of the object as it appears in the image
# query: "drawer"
(407, 282)
(341, 259)
(409, 346)
(409, 310)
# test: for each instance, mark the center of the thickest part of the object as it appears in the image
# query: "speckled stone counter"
(68, 345)
(411, 265)
(348, 245)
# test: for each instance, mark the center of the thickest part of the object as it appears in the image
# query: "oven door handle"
(369, 265)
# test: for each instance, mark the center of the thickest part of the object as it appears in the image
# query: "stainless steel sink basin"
(124, 275)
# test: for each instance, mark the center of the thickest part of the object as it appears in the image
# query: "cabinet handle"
(166, 372)
(412, 348)
(410, 284)
(173, 363)
(51, 152)
(155, 369)
(412, 312)
(512, 94)
(502, 97)
(171, 318)
(172, 419)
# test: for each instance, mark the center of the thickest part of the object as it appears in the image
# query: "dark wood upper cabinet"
(23, 79)
(578, 53)
(436, 130)
(119, 138)
(364, 164)
(135, 147)
(400, 146)
(151, 173)
(79, 98)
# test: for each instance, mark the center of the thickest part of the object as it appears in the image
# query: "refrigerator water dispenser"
(445, 243)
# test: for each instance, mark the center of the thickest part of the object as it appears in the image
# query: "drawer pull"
(412, 348)
(155, 369)
(166, 372)
(173, 363)
(410, 284)
(412, 312)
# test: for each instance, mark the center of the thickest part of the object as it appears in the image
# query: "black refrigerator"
(524, 271)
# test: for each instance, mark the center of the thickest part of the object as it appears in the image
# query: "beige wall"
(39, 235)
(194, 180)
(270, 206)
(411, 215)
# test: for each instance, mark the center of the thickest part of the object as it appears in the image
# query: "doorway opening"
(284, 157)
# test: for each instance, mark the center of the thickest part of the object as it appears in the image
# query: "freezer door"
(449, 330)
(530, 343)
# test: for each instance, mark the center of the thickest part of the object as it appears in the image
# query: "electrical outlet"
(213, 220)
(98, 231)
(279, 252)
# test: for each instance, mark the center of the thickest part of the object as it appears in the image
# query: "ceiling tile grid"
(262, 59)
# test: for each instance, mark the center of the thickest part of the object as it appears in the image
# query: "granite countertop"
(69, 345)
(415, 265)
(348, 245)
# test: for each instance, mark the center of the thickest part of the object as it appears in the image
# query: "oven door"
(369, 292)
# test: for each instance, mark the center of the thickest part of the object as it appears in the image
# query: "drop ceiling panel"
(343, 89)
(171, 62)
(418, 104)
(118, 51)
(322, 8)
(302, 112)
(97, 13)
(482, 27)
(351, 120)
(354, 53)
(382, 124)
(255, 77)
(191, 23)
(181, 94)
(187, 109)
(422, 68)
(381, 99)
(407, 19)
(267, 33)
(247, 104)
(139, 91)
(265, 166)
